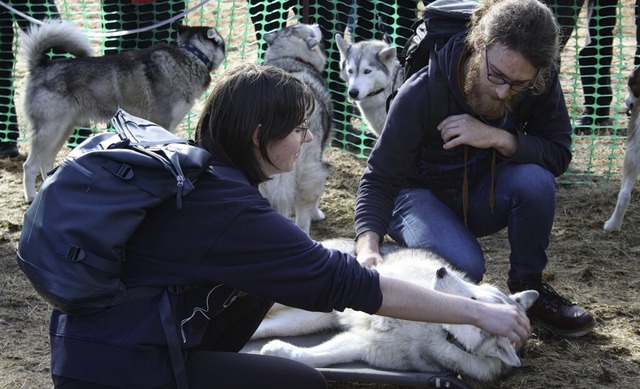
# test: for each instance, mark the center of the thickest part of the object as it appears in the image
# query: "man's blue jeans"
(525, 203)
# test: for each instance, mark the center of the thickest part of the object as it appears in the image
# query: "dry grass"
(598, 270)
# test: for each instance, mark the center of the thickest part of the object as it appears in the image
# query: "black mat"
(361, 372)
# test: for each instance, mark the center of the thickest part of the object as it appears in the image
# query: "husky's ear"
(525, 299)
(343, 46)
(181, 28)
(212, 34)
(316, 30)
(387, 55)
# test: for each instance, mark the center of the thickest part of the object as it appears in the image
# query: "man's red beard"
(483, 101)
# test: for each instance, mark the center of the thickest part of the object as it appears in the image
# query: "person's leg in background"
(268, 16)
(407, 15)
(566, 12)
(366, 20)
(9, 132)
(636, 59)
(130, 15)
(595, 67)
(331, 16)
(38, 9)
(395, 21)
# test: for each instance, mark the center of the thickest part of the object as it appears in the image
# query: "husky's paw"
(279, 348)
(318, 215)
(612, 225)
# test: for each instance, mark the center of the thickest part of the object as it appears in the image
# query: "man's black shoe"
(555, 312)
(8, 150)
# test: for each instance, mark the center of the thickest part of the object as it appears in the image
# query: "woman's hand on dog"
(506, 320)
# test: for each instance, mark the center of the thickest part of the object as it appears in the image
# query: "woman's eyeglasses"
(501, 81)
(302, 130)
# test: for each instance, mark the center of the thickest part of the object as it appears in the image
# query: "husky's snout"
(440, 273)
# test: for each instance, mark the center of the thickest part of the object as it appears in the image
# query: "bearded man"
(490, 164)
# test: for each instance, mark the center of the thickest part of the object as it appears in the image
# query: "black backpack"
(72, 245)
(441, 20)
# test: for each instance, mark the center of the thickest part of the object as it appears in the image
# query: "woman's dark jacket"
(227, 233)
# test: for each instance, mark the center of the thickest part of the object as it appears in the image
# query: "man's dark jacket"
(409, 152)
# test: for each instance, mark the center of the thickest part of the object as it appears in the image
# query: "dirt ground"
(596, 269)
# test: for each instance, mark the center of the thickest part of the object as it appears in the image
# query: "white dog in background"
(372, 73)
(631, 164)
(476, 355)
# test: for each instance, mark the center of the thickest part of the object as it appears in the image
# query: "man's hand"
(368, 249)
(464, 129)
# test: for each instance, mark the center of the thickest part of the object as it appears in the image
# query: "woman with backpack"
(234, 254)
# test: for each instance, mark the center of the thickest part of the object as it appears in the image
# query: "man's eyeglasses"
(302, 130)
(501, 81)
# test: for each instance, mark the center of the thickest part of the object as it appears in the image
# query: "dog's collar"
(376, 92)
(451, 338)
(198, 53)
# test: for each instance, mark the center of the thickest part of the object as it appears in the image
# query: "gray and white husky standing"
(477, 356)
(159, 84)
(372, 73)
(298, 50)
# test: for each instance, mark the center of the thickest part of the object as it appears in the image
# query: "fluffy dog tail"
(39, 39)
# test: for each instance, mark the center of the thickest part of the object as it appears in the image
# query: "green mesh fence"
(593, 71)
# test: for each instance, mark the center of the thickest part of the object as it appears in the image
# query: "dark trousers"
(126, 15)
(596, 56)
(216, 363)
(636, 60)
(566, 12)
(38, 9)
(385, 20)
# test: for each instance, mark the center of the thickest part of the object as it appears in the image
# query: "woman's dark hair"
(248, 96)
(527, 27)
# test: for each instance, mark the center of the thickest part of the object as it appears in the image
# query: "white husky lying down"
(399, 344)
